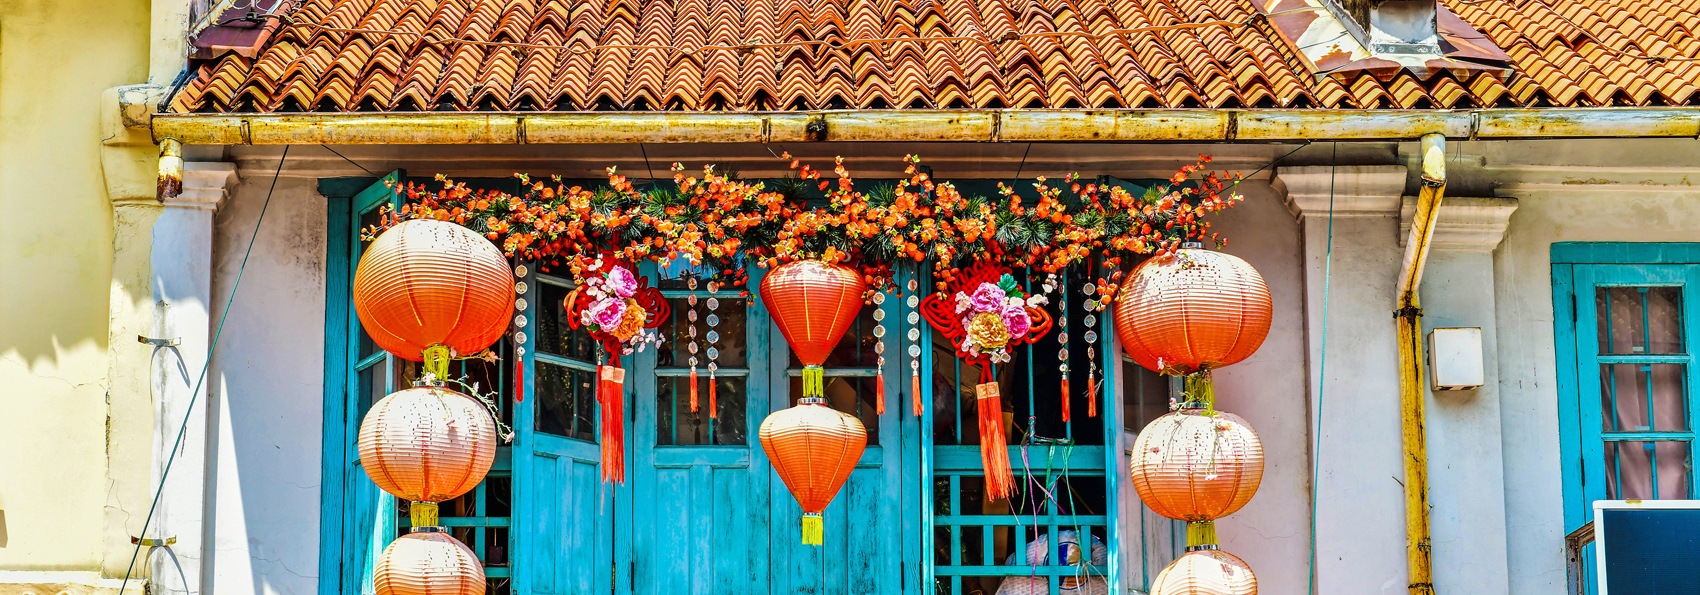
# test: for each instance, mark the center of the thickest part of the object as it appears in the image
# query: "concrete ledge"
(24, 582)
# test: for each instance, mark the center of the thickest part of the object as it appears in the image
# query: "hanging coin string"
(1062, 341)
(713, 348)
(1091, 336)
(520, 322)
(879, 349)
(691, 284)
(913, 300)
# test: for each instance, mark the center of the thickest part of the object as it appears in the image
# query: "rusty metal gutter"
(1014, 125)
(1412, 407)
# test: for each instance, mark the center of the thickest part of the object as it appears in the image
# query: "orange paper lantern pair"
(431, 290)
(813, 448)
(1192, 310)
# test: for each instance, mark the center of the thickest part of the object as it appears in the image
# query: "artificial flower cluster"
(722, 223)
(993, 316)
(614, 308)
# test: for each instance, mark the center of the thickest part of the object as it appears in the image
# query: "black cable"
(199, 382)
(345, 158)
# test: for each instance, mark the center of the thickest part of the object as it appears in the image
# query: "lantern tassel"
(611, 395)
(1065, 398)
(435, 361)
(814, 381)
(693, 389)
(1200, 389)
(879, 394)
(994, 450)
(813, 528)
(915, 391)
(1200, 533)
(423, 514)
(713, 403)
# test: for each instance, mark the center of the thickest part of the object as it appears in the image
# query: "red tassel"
(519, 380)
(994, 450)
(1065, 399)
(1092, 398)
(915, 391)
(713, 403)
(879, 394)
(693, 390)
(611, 394)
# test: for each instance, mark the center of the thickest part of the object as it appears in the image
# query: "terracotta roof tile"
(1558, 53)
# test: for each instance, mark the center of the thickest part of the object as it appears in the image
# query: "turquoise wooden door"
(564, 527)
(693, 515)
(1627, 382)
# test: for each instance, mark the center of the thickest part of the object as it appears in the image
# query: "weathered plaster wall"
(59, 508)
(1272, 533)
(268, 391)
(1636, 200)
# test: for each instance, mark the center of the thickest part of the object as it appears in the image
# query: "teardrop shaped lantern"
(1192, 310)
(428, 285)
(427, 444)
(813, 302)
(1206, 572)
(1197, 465)
(814, 448)
(428, 563)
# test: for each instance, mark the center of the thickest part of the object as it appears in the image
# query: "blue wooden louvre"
(703, 512)
(1626, 321)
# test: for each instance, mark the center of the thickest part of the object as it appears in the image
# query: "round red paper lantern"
(427, 282)
(814, 448)
(1206, 572)
(427, 444)
(1197, 466)
(428, 563)
(1192, 310)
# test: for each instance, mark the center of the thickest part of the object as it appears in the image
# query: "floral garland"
(728, 223)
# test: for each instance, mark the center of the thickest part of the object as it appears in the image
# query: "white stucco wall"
(267, 391)
(1628, 212)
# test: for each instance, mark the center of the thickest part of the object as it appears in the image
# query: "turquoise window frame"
(1577, 269)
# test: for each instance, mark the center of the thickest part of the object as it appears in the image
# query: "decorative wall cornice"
(1355, 190)
(205, 184)
(1465, 223)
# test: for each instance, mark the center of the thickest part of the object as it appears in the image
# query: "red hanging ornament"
(642, 307)
(813, 303)
(971, 341)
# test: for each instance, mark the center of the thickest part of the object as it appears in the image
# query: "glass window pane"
(855, 395)
(554, 335)
(1629, 391)
(1648, 470)
(1639, 320)
(676, 339)
(1145, 396)
(677, 425)
(371, 389)
(367, 219)
(566, 402)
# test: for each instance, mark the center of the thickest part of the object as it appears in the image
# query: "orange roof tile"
(1560, 53)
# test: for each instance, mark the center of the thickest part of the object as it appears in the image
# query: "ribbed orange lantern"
(814, 448)
(1192, 310)
(814, 303)
(1206, 572)
(427, 444)
(428, 563)
(428, 283)
(1197, 466)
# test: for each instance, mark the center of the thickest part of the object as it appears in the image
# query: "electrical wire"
(1322, 367)
(205, 366)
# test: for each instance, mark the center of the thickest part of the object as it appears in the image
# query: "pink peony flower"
(606, 313)
(1016, 320)
(622, 282)
(988, 298)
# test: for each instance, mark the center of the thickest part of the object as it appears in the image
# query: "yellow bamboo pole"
(1408, 319)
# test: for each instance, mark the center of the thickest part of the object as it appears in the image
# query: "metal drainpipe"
(170, 182)
(1408, 318)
